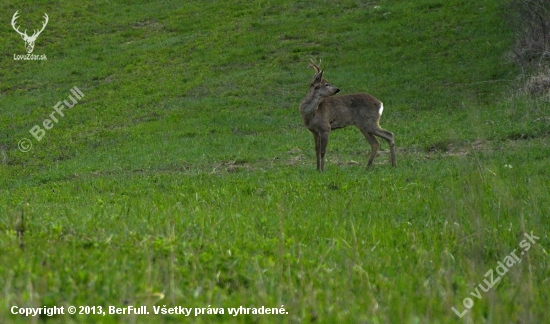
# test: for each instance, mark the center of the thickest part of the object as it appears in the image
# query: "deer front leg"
(317, 140)
(323, 142)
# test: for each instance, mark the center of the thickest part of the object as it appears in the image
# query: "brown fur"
(323, 113)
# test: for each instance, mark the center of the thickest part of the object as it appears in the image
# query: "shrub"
(539, 83)
(530, 19)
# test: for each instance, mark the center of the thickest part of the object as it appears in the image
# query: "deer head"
(320, 84)
(29, 40)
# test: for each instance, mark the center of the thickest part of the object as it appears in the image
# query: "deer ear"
(318, 77)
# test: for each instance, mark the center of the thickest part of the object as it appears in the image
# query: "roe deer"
(322, 113)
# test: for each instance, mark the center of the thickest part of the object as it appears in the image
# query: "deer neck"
(309, 105)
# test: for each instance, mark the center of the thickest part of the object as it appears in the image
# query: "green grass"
(184, 177)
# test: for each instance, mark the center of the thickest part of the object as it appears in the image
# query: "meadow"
(184, 176)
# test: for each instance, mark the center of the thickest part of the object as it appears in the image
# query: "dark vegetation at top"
(530, 20)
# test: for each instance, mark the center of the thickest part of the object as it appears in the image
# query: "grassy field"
(184, 176)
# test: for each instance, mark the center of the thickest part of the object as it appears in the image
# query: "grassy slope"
(185, 169)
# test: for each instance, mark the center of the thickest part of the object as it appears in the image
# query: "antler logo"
(29, 40)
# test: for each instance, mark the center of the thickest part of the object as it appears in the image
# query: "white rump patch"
(381, 109)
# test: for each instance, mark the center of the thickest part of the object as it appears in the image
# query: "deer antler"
(315, 66)
(35, 34)
(24, 34)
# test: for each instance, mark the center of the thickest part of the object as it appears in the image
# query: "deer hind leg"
(374, 144)
(388, 136)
